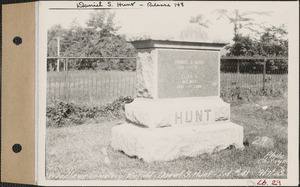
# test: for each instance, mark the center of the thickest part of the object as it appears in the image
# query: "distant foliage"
(242, 46)
(261, 40)
(68, 114)
(97, 39)
(272, 42)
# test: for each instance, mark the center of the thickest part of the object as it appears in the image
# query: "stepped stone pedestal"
(178, 110)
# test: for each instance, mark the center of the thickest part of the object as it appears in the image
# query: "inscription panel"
(193, 117)
(187, 73)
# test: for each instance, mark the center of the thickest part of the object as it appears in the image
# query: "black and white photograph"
(166, 92)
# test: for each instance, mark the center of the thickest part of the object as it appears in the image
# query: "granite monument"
(178, 110)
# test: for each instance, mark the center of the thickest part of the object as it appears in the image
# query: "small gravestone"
(178, 110)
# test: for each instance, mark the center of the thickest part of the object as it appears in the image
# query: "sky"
(168, 23)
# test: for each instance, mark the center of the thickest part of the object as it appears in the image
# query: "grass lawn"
(84, 152)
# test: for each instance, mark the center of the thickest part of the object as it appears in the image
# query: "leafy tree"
(55, 32)
(242, 46)
(97, 39)
(273, 41)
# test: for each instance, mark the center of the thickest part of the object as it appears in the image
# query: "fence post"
(66, 64)
(65, 93)
(264, 75)
(58, 49)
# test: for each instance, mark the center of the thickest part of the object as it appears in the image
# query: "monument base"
(177, 112)
(165, 144)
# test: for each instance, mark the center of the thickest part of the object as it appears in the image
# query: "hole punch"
(17, 40)
(17, 148)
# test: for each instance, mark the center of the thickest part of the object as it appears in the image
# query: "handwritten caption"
(269, 182)
(185, 174)
(124, 4)
(272, 165)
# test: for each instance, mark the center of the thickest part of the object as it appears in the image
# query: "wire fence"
(98, 87)
(252, 72)
(89, 87)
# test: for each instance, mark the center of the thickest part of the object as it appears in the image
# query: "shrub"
(276, 89)
(66, 114)
(236, 93)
